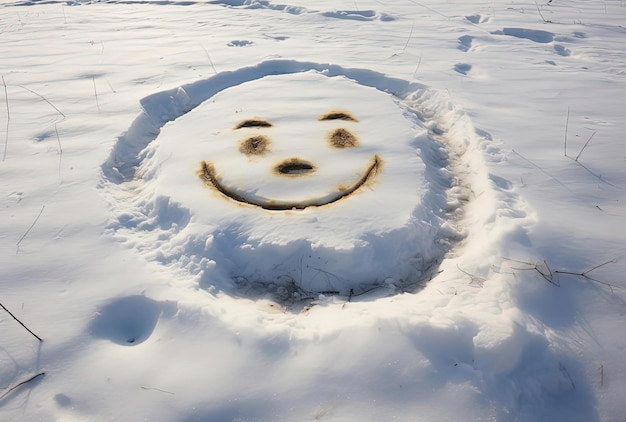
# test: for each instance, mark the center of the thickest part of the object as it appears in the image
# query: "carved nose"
(295, 167)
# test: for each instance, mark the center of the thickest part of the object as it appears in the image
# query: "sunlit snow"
(289, 211)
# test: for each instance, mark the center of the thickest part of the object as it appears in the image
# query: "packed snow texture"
(476, 273)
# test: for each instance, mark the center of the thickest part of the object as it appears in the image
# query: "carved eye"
(253, 123)
(256, 145)
(337, 115)
(341, 138)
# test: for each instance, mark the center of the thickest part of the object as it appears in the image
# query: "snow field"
(133, 333)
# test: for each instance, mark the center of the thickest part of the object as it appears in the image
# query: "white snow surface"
(475, 274)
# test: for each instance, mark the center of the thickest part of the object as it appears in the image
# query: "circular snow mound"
(286, 181)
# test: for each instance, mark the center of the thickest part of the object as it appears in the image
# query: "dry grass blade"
(6, 393)
(95, 92)
(6, 136)
(475, 281)
(541, 14)
(29, 229)
(585, 146)
(157, 389)
(209, 57)
(45, 99)
(541, 170)
(60, 148)
(419, 62)
(566, 126)
(585, 274)
(410, 35)
(552, 277)
(543, 271)
(20, 322)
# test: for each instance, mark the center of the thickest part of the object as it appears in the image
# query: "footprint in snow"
(477, 19)
(128, 321)
(465, 43)
(462, 68)
(357, 15)
(562, 50)
(240, 43)
(535, 35)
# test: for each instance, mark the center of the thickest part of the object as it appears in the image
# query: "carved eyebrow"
(337, 115)
(253, 123)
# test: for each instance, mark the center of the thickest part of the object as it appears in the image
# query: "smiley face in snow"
(257, 145)
(310, 153)
(318, 175)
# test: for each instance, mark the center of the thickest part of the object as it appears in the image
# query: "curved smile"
(209, 175)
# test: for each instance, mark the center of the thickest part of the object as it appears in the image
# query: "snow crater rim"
(289, 168)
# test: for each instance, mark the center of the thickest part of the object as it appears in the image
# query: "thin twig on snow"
(6, 393)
